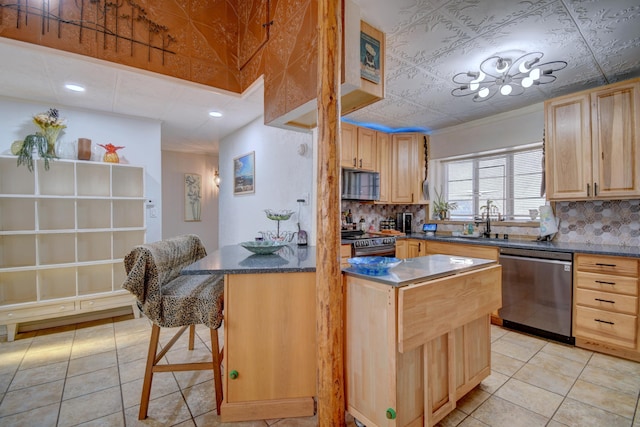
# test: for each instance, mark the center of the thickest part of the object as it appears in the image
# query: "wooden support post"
(330, 298)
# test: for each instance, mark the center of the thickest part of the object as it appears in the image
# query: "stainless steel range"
(364, 244)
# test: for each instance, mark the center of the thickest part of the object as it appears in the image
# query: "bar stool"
(171, 300)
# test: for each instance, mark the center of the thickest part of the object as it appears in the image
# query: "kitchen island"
(418, 338)
(269, 331)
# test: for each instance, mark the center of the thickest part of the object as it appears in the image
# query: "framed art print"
(192, 196)
(244, 174)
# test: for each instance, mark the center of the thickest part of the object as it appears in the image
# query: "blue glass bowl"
(264, 247)
(373, 265)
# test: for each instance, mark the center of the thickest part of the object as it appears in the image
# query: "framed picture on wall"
(370, 57)
(192, 196)
(244, 181)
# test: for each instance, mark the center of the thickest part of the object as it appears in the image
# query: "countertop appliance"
(537, 292)
(364, 244)
(404, 222)
(360, 185)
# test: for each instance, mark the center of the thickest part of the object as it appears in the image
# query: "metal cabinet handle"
(599, 264)
(360, 162)
(605, 300)
(354, 162)
(588, 190)
(595, 188)
(605, 283)
(604, 321)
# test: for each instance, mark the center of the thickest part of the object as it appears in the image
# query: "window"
(512, 180)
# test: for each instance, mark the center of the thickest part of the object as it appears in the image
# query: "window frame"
(509, 191)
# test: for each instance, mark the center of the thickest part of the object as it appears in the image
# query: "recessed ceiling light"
(75, 88)
(215, 114)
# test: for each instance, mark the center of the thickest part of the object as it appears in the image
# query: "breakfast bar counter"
(269, 331)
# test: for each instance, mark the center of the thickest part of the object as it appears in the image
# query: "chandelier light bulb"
(506, 89)
(483, 92)
(474, 85)
(527, 82)
(535, 74)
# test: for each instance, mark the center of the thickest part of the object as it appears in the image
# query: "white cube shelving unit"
(63, 236)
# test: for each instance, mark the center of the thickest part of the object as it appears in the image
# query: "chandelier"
(507, 76)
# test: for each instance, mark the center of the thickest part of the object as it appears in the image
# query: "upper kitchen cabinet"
(358, 147)
(407, 173)
(288, 101)
(592, 142)
(383, 165)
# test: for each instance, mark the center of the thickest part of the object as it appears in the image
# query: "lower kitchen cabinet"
(412, 352)
(269, 346)
(605, 316)
(410, 248)
(345, 254)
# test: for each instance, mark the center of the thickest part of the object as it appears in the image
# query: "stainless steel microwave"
(360, 185)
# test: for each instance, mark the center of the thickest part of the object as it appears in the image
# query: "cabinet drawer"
(607, 283)
(607, 301)
(608, 265)
(613, 328)
(8, 315)
(107, 302)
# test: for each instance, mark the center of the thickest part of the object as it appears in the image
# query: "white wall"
(282, 176)
(141, 138)
(174, 166)
(518, 127)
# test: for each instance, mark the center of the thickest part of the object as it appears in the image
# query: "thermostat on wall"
(430, 229)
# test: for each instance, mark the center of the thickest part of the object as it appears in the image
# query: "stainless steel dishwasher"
(537, 292)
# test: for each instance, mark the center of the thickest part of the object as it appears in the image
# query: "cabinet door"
(402, 249)
(270, 336)
(383, 161)
(348, 145)
(616, 129)
(568, 155)
(416, 248)
(367, 149)
(404, 156)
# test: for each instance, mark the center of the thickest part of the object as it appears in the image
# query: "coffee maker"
(404, 222)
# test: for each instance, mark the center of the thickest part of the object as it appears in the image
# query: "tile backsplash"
(608, 222)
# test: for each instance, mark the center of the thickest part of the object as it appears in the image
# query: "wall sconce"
(216, 178)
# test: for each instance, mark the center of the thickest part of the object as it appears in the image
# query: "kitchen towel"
(548, 224)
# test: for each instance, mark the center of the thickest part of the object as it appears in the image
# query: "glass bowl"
(278, 215)
(263, 247)
(373, 265)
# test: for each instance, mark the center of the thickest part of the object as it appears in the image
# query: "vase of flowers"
(50, 124)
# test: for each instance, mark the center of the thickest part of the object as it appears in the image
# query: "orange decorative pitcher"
(110, 156)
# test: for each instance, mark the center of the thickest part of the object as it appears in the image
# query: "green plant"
(36, 142)
(442, 207)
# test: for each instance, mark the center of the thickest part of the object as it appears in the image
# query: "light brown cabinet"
(410, 248)
(345, 254)
(404, 160)
(593, 142)
(358, 149)
(426, 345)
(605, 316)
(270, 346)
(383, 161)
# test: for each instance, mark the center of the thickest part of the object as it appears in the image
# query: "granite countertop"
(235, 259)
(587, 248)
(421, 269)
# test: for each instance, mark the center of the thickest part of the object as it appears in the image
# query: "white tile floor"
(91, 375)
